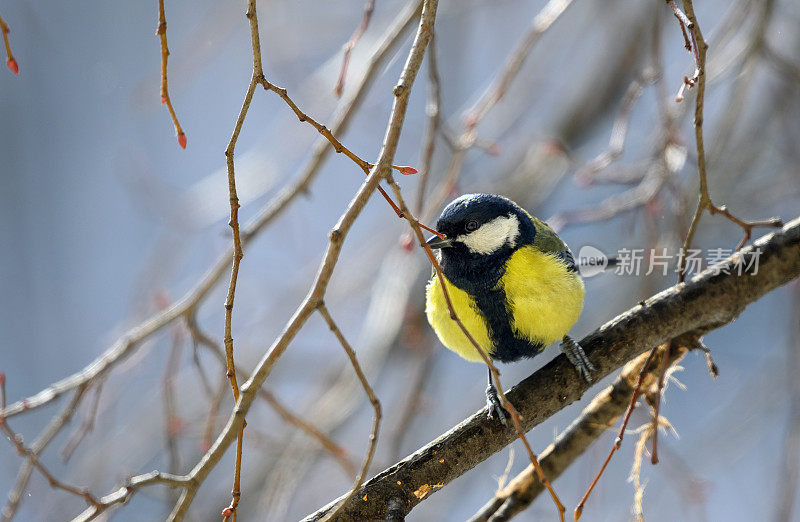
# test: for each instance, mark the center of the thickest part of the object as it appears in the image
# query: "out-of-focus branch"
(784, 65)
(347, 48)
(55, 426)
(706, 302)
(337, 451)
(785, 497)
(488, 99)
(434, 122)
(616, 143)
(33, 458)
(496, 91)
(86, 426)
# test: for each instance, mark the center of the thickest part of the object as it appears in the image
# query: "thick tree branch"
(601, 414)
(708, 301)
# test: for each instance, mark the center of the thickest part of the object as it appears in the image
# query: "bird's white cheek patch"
(491, 236)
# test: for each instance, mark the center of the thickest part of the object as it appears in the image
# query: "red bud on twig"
(406, 171)
(182, 140)
(13, 65)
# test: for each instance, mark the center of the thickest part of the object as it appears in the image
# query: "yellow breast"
(544, 302)
(447, 330)
(545, 298)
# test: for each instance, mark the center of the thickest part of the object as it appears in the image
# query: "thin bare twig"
(618, 441)
(704, 202)
(33, 458)
(338, 147)
(434, 122)
(186, 305)
(132, 485)
(696, 44)
(657, 407)
(11, 63)
(373, 399)
(347, 49)
(161, 31)
(252, 16)
(690, 40)
(487, 101)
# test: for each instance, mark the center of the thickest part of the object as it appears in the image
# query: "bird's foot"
(496, 410)
(578, 358)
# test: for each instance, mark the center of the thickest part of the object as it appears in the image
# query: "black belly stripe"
(507, 346)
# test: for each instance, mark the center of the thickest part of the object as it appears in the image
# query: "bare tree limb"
(708, 301)
(600, 415)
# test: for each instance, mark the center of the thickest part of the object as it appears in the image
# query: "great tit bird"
(512, 282)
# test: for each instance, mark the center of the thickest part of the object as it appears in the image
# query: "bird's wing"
(548, 242)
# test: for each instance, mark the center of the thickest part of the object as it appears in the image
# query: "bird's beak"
(437, 242)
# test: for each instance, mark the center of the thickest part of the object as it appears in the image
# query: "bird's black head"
(481, 231)
(483, 224)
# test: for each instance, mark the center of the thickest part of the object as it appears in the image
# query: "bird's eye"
(472, 225)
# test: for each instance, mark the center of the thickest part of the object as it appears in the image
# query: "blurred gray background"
(103, 219)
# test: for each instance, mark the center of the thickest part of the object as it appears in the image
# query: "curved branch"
(710, 300)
